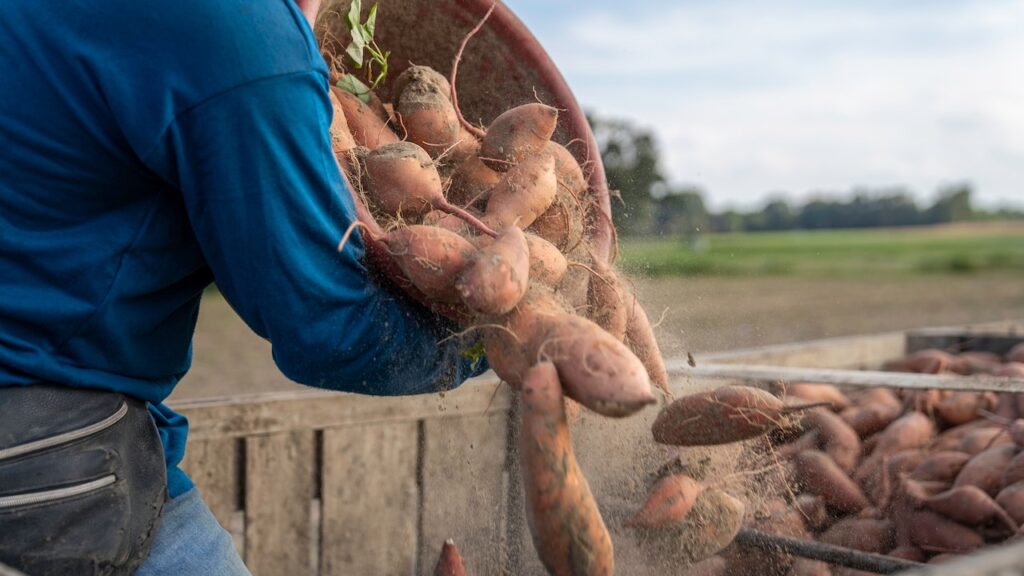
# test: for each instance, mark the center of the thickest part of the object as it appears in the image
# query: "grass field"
(957, 249)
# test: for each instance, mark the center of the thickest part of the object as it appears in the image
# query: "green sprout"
(376, 65)
(476, 354)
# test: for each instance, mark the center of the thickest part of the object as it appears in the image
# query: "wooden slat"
(309, 409)
(278, 492)
(866, 351)
(865, 378)
(369, 499)
(213, 466)
(464, 490)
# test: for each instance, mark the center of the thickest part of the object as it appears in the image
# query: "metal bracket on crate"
(829, 553)
(862, 378)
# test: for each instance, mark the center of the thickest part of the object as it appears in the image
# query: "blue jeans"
(190, 541)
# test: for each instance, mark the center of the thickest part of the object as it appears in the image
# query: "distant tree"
(681, 212)
(953, 205)
(630, 157)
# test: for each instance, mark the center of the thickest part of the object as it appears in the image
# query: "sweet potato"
(962, 407)
(640, 339)
(496, 278)
(807, 441)
(427, 115)
(606, 301)
(930, 361)
(402, 181)
(1017, 432)
(596, 370)
(869, 419)
(668, 502)
(985, 469)
(720, 416)
(819, 393)
(866, 534)
(507, 339)
(835, 437)
(933, 532)
(896, 467)
(1014, 470)
(431, 258)
(779, 519)
(1016, 354)
(1011, 499)
(341, 138)
(812, 509)
(1009, 370)
(450, 562)
(568, 533)
(547, 264)
(516, 134)
(449, 222)
(567, 169)
(366, 126)
(522, 194)
(1006, 406)
(970, 505)
(562, 223)
(818, 474)
(711, 525)
(940, 466)
(912, 430)
(471, 181)
(984, 438)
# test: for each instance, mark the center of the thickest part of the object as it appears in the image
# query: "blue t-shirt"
(147, 148)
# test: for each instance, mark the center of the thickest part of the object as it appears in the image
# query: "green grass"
(945, 249)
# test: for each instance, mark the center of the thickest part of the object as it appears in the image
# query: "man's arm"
(268, 205)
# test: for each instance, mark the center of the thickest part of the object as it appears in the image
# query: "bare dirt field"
(700, 315)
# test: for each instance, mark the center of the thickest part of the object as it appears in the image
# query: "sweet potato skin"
(524, 192)
(720, 416)
(516, 134)
(366, 127)
(496, 278)
(430, 258)
(568, 533)
(818, 474)
(668, 502)
(985, 470)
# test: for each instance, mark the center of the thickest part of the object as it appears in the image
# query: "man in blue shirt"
(149, 148)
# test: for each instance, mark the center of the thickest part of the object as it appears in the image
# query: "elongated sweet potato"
(813, 510)
(912, 430)
(962, 407)
(977, 441)
(496, 278)
(871, 418)
(431, 258)
(522, 194)
(341, 138)
(568, 533)
(567, 169)
(970, 505)
(449, 222)
(402, 181)
(562, 223)
(940, 466)
(933, 532)
(711, 525)
(450, 562)
(516, 134)
(720, 416)
(640, 339)
(508, 339)
(819, 393)
(835, 437)
(668, 502)
(471, 181)
(606, 301)
(985, 469)
(929, 361)
(367, 128)
(596, 370)
(1011, 499)
(1014, 470)
(819, 475)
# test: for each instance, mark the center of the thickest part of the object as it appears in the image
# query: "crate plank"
(369, 499)
(213, 466)
(309, 409)
(464, 490)
(278, 492)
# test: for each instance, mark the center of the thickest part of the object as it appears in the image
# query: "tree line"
(647, 204)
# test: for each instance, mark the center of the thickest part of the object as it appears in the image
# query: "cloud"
(749, 97)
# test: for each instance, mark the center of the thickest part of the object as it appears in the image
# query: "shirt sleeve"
(268, 204)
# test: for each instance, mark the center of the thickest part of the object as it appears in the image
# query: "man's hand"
(309, 9)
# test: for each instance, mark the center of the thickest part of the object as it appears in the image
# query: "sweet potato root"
(668, 503)
(450, 562)
(516, 134)
(496, 277)
(568, 533)
(720, 416)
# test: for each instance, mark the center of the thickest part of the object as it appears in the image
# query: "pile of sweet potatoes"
(921, 475)
(491, 226)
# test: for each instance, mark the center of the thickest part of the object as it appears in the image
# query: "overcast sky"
(749, 98)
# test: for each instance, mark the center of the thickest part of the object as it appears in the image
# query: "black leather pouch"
(82, 481)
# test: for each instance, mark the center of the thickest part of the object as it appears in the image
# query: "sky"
(752, 99)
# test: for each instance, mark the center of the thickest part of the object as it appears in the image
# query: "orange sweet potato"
(962, 407)
(522, 194)
(516, 134)
(912, 430)
(606, 301)
(970, 505)
(866, 534)
(640, 339)
(819, 393)
(1011, 499)
(668, 502)
(1014, 470)
(568, 533)
(933, 532)
(835, 437)
(366, 126)
(985, 469)
(720, 416)
(819, 475)
(427, 115)
(496, 278)
(547, 264)
(450, 562)
(431, 258)
(940, 466)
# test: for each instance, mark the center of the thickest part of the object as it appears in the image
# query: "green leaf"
(353, 14)
(356, 54)
(476, 354)
(349, 83)
(371, 21)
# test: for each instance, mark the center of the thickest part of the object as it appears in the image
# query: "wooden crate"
(314, 482)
